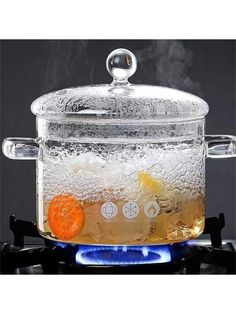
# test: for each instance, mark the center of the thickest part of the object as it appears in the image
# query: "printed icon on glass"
(151, 209)
(130, 210)
(109, 210)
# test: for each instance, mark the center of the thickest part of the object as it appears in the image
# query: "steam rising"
(166, 63)
(160, 62)
(68, 64)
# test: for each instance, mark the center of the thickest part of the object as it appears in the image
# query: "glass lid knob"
(121, 64)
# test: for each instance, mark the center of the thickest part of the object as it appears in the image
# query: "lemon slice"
(149, 184)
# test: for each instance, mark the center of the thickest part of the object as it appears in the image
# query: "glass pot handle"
(20, 148)
(220, 146)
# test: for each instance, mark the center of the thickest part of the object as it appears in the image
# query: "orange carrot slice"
(65, 216)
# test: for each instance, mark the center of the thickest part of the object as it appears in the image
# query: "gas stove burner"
(122, 255)
(126, 255)
(212, 256)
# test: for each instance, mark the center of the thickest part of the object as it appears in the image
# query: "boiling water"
(128, 194)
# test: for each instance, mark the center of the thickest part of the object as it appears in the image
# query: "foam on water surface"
(115, 174)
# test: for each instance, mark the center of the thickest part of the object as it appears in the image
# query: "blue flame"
(125, 255)
(61, 244)
(122, 255)
(191, 242)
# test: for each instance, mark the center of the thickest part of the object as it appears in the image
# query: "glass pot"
(120, 164)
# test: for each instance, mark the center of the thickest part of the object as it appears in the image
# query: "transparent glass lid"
(120, 100)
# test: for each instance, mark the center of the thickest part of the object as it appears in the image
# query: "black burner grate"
(53, 259)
